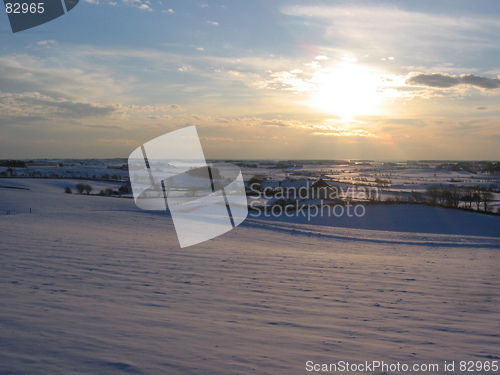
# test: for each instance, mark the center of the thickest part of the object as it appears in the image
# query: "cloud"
(234, 73)
(217, 139)
(46, 42)
(161, 117)
(378, 31)
(104, 127)
(57, 77)
(152, 108)
(278, 123)
(145, 7)
(35, 104)
(349, 59)
(133, 3)
(433, 80)
(288, 80)
(343, 132)
(482, 82)
(481, 108)
(442, 80)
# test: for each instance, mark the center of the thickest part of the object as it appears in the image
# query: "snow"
(396, 218)
(401, 178)
(94, 285)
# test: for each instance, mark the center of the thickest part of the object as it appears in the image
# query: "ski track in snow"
(93, 285)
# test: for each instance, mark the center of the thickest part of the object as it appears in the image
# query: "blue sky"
(260, 79)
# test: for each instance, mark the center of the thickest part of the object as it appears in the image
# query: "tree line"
(87, 189)
(455, 195)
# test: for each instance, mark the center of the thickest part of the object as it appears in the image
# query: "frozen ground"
(396, 218)
(400, 178)
(92, 285)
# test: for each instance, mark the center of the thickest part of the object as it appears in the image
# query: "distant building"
(323, 190)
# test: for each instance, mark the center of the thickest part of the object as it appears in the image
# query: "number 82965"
(18, 8)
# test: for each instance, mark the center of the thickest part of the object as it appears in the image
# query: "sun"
(347, 90)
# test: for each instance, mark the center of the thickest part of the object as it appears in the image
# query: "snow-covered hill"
(94, 285)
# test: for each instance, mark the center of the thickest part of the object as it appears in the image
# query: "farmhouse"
(323, 190)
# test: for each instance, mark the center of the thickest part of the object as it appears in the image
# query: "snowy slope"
(92, 285)
(398, 218)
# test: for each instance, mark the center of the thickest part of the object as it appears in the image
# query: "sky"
(380, 80)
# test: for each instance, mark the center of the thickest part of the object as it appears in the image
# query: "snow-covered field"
(93, 285)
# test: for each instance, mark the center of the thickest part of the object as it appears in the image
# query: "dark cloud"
(433, 80)
(441, 80)
(481, 108)
(482, 82)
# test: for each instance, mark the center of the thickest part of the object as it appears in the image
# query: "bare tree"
(88, 188)
(417, 196)
(435, 193)
(80, 188)
(255, 182)
(467, 196)
(452, 195)
(125, 189)
(486, 197)
(476, 196)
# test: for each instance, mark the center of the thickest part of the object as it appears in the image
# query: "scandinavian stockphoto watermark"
(204, 200)
(312, 200)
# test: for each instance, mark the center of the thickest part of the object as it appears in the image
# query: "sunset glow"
(348, 90)
(420, 74)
